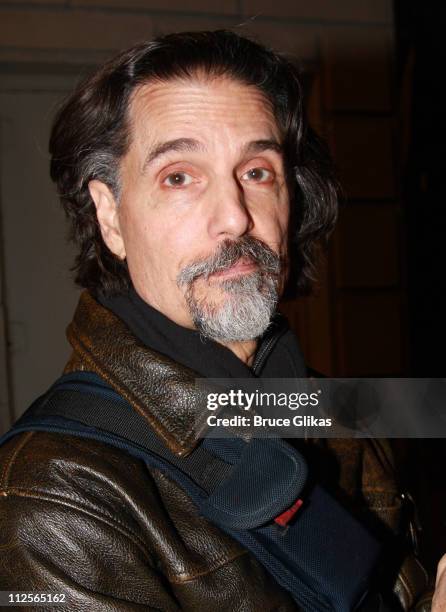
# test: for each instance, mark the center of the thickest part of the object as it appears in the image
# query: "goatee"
(249, 300)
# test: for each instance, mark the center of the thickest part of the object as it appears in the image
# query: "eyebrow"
(191, 145)
(267, 144)
(179, 144)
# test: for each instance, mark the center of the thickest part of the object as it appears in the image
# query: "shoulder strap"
(239, 487)
(82, 404)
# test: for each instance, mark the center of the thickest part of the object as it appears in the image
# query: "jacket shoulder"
(54, 465)
(81, 517)
(66, 528)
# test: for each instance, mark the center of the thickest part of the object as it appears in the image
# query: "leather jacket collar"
(161, 390)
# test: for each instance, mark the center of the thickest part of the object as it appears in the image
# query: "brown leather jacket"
(85, 519)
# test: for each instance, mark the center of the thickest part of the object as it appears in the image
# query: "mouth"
(241, 267)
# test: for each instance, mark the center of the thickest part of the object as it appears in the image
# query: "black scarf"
(278, 354)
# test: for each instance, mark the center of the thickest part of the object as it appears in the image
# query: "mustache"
(228, 254)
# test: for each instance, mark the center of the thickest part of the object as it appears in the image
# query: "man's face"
(203, 214)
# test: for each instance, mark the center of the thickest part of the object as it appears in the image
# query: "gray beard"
(250, 300)
(245, 313)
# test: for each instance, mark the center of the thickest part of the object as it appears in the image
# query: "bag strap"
(81, 403)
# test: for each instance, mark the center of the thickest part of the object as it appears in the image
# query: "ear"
(108, 218)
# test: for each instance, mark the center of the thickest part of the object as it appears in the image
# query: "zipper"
(265, 349)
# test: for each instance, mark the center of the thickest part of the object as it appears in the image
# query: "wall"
(354, 324)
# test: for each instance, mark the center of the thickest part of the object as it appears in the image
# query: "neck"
(245, 351)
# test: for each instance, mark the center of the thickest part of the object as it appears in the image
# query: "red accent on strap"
(284, 518)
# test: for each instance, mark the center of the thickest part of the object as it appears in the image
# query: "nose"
(230, 216)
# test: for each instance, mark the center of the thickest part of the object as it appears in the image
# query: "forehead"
(210, 107)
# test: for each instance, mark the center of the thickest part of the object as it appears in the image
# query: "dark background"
(420, 60)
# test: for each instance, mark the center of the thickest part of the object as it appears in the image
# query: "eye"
(178, 179)
(258, 175)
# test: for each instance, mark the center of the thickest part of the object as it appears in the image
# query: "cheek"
(285, 228)
(157, 246)
(138, 240)
(271, 224)
(282, 222)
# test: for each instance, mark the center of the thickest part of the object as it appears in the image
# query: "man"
(195, 189)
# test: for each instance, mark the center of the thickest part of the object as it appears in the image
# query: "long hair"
(91, 133)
